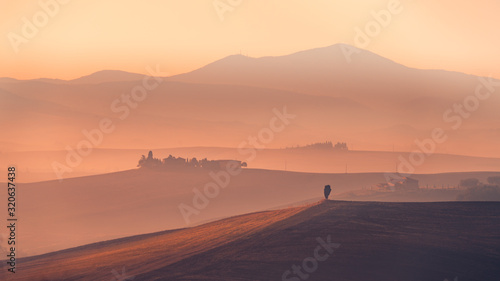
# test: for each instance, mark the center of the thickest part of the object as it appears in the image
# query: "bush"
(480, 193)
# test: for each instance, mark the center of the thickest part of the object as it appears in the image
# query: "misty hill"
(105, 76)
(353, 240)
(208, 115)
(332, 71)
(412, 96)
(371, 103)
(145, 201)
(37, 165)
(98, 77)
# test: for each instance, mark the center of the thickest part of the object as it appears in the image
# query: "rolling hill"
(372, 103)
(328, 240)
(37, 166)
(102, 207)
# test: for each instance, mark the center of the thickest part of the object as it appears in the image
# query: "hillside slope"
(145, 252)
(95, 208)
(371, 241)
(37, 165)
(371, 103)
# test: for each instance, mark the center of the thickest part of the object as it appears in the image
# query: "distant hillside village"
(323, 145)
(470, 188)
(403, 184)
(179, 162)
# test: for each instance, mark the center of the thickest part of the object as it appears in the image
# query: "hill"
(371, 103)
(106, 76)
(363, 75)
(37, 165)
(330, 240)
(95, 208)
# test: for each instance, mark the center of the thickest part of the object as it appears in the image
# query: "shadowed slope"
(86, 210)
(146, 252)
(378, 241)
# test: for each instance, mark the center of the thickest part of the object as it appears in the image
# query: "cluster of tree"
(341, 146)
(324, 145)
(179, 162)
(477, 191)
(149, 162)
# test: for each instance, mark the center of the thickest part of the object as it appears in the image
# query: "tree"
(204, 163)
(494, 180)
(341, 146)
(469, 183)
(149, 162)
(480, 193)
(193, 162)
(142, 161)
(327, 191)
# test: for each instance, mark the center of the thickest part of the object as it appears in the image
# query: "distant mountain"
(328, 240)
(105, 76)
(338, 70)
(53, 81)
(336, 95)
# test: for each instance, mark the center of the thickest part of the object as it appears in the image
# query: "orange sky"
(86, 36)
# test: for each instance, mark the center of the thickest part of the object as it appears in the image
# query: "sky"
(69, 39)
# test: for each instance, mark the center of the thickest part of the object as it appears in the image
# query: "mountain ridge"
(339, 48)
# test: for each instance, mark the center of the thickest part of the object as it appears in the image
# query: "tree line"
(179, 162)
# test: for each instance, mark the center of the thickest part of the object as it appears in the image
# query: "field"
(352, 241)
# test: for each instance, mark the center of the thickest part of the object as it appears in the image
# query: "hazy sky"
(84, 36)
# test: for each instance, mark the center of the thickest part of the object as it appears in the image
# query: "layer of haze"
(87, 36)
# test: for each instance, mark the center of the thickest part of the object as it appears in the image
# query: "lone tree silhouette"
(327, 191)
